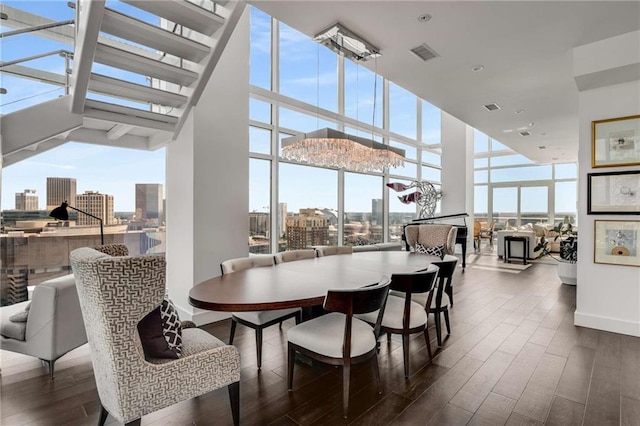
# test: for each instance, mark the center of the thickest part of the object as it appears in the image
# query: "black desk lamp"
(61, 213)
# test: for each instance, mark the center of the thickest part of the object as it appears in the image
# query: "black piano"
(457, 220)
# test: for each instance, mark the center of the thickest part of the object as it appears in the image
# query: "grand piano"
(458, 220)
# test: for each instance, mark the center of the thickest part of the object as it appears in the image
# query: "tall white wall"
(457, 166)
(608, 296)
(208, 179)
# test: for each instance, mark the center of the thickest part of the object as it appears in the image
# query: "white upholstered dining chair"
(257, 320)
(403, 315)
(293, 255)
(339, 338)
(333, 250)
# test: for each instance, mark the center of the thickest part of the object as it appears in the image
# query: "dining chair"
(257, 320)
(402, 314)
(444, 295)
(293, 255)
(339, 338)
(333, 250)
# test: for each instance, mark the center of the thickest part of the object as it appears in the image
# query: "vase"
(568, 272)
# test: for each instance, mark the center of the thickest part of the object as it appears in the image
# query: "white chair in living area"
(257, 320)
(339, 338)
(333, 250)
(115, 293)
(293, 255)
(51, 323)
(403, 315)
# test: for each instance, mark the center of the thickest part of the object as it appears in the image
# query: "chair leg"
(103, 416)
(449, 290)
(438, 326)
(291, 359)
(259, 346)
(388, 337)
(233, 331)
(52, 371)
(234, 399)
(405, 354)
(280, 326)
(346, 376)
(376, 374)
(298, 317)
(428, 340)
(446, 321)
(136, 422)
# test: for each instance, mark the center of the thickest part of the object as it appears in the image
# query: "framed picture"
(613, 193)
(615, 142)
(616, 242)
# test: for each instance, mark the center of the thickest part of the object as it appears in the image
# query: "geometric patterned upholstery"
(113, 249)
(432, 235)
(115, 293)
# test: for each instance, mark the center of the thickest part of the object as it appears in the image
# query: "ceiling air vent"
(492, 107)
(424, 52)
(525, 133)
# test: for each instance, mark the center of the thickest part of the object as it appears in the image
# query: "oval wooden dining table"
(301, 283)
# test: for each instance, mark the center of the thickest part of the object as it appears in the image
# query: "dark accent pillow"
(161, 332)
(434, 251)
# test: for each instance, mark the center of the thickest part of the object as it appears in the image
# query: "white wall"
(208, 179)
(608, 296)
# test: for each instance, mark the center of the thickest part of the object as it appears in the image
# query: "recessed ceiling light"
(424, 18)
(531, 124)
(520, 111)
(508, 131)
(543, 134)
(477, 68)
(554, 158)
(542, 147)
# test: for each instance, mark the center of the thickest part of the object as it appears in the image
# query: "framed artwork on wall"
(615, 142)
(613, 193)
(616, 242)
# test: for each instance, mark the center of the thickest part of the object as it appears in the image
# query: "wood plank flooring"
(513, 357)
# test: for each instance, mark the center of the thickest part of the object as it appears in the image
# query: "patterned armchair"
(432, 235)
(115, 294)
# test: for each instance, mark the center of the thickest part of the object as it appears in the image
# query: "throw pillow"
(19, 317)
(434, 251)
(161, 332)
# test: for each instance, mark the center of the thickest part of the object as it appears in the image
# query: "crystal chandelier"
(333, 148)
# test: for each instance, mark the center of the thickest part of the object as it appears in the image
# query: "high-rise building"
(149, 201)
(376, 211)
(60, 190)
(97, 204)
(305, 230)
(27, 200)
(282, 219)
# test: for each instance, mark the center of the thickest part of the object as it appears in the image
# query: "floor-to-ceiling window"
(297, 86)
(511, 189)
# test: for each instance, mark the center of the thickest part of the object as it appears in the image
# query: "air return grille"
(492, 107)
(525, 133)
(424, 52)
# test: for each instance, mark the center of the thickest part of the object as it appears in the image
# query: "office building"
(59, 190)
(306, 229)
(97, 204)
(149, 201)
(27, 200)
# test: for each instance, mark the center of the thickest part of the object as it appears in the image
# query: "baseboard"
(607, 324)
(201, 316)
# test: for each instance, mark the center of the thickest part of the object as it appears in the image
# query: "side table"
(508, 239)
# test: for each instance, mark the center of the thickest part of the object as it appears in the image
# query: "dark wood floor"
(514, 357)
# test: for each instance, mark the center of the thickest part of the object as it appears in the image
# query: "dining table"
(302, 283)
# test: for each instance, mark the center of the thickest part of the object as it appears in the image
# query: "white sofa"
(54, 324)
(516, 246)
